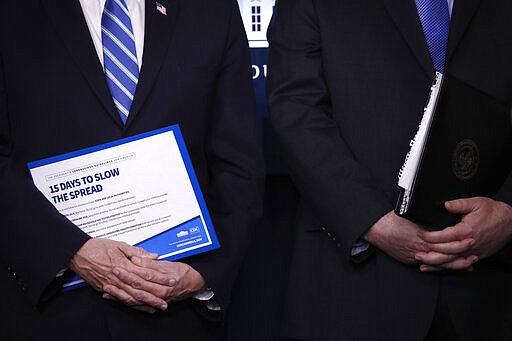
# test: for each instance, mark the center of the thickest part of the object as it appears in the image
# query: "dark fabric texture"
(54, 99)
(347, 84)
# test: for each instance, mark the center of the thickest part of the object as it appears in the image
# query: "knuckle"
(468, 262)
(147, 275)
(139, 296)
(136, 284)
(131, 301)
(162, 292)
(159, 278)
(173, 281)
(172, 292)
(139, 250)
(122, 262)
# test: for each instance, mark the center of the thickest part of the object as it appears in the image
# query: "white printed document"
(141, 190)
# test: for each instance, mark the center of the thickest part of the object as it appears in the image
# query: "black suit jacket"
(54, 99)
(347, 84)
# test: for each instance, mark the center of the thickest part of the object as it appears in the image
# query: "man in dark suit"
(347, 84)
(54, 98)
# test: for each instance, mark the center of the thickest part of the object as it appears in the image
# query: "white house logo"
(256, 15)
(182, 233)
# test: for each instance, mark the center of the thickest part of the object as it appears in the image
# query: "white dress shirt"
(450, 6)
(93, 10)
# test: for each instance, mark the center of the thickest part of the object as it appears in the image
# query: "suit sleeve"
(36, 241)
(505, 194)
(235, 163)
(342, 193)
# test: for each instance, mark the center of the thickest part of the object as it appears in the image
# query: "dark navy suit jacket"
(347, 84)
(54, 99)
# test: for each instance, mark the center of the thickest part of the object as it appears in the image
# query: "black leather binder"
(467, 152)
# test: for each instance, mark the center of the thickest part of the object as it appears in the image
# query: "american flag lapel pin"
(161, 8)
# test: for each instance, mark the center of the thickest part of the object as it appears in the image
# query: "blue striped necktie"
(435, 19)
(120, 58)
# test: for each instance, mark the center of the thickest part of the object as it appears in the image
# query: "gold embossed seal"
(465, 160)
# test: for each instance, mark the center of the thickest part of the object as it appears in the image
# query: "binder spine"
(407, 173)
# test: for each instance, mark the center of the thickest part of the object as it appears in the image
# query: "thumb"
(462, 206)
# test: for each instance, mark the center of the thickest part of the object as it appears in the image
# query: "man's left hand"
(486, 227)
(170, 281)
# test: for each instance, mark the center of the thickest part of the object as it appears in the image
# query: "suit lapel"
(70, 24)
(463, 11)
(406, 19)
(157, 36)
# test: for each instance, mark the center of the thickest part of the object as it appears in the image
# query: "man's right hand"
(96, 260)
(398, 237)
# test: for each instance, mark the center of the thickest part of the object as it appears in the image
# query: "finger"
(107, 296)
(143, 308)
(459, 264)
(171, 271)
(452, 233)
(457, 247)
(131, 295)
(462, 206)
(430, 268)
(113, 293)
(133, 251)
(135, 282)
(149, 263)
(151, 275)
(434, 258)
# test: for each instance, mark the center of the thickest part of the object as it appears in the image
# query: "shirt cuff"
(61, 273)
(361, 251)
(358, 247)
(207, 297)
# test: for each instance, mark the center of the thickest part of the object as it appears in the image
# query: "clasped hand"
(133, 276)
(485, 227)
